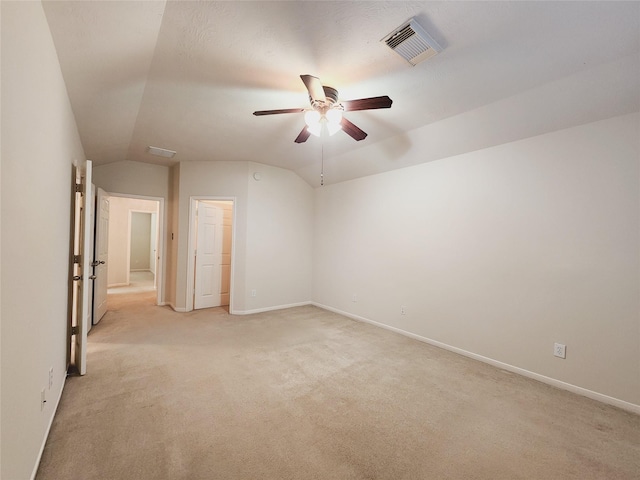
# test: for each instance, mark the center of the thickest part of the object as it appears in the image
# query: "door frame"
(160, 240)
(191, 254)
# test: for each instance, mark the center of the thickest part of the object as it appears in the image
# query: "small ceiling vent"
(161, 152)
(412, 43)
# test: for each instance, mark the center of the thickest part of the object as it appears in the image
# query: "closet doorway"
(210, 272)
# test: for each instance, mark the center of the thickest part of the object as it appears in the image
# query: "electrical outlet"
(354, 298)
(560, 350)
(50, 378)
(43, 399)
(403, 310)
(253, 293)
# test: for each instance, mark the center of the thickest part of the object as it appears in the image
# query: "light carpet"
(304, 393)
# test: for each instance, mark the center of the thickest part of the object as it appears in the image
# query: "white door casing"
(101, 253)
(208, 259)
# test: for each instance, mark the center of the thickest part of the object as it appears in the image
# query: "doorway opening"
(211, 253)
(135, 245)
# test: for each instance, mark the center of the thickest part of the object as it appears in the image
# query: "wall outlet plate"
(560, 350)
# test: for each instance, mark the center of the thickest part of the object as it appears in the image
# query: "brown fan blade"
(274, 112)
(316, 92)
(351, 130)
(367, 103)
(303, 136)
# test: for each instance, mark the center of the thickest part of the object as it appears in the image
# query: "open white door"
(80, 316)
(101, 252)
(208, 256)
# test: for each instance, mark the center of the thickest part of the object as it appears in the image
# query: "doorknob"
(77, 278)
(102, 262)
(92, 277)
(95, 263)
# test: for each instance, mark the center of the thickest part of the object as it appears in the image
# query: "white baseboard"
(616, 402)
(46, 434)
(175, 309)
(269, 309)
(114, 285)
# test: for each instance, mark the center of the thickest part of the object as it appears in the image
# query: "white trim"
(191, 250)
(46, 433)
(269, 309)
(174, 308)
(616, 402)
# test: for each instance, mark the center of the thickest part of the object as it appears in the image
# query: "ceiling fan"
(326, 110)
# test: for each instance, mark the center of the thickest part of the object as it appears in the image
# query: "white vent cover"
(412, 43)
(161, 152)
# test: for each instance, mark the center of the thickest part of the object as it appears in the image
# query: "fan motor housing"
(331, 98)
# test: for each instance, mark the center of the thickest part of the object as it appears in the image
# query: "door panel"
(101, 253)
(81, 310)
(208, 248)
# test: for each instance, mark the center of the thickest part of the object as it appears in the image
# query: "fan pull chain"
(322, 165)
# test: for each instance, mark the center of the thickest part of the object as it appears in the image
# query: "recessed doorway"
(135, 244)
(210, 269)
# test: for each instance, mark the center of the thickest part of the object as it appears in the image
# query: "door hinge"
(79, 188)
(74, 330)
(77, 259)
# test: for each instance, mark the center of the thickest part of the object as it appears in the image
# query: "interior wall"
(153, 243)
(272, 236)
(140, 241)
(500, 253)
(224, 179)
(119, 239)
(40, 145)
(135, 178)
(279, 238)
(171, 250)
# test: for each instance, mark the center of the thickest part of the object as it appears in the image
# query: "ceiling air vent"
(412, 43)
(161, 152)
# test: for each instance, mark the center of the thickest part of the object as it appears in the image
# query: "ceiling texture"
(187, 76)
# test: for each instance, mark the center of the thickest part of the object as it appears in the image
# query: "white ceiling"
(187, 76)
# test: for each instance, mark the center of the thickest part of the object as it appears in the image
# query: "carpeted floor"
(307, 394)
(138, 282)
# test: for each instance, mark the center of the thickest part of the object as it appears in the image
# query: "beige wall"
(140, 241)
(171, 243)
(272, 231)
(40, 145)
(279, 238)
(133, 178)
(223, 179)
(500, 253)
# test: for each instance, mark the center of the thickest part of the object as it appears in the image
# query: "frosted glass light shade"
(334, 116)
(312, 117)
(333, 128)
(315, 129)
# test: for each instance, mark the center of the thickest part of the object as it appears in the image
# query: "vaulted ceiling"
(186, 76)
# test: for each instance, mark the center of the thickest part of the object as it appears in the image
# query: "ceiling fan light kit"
(412, 42)
(326, 111)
